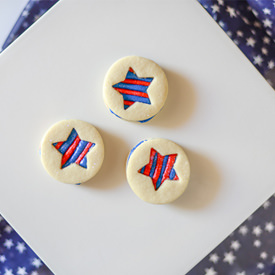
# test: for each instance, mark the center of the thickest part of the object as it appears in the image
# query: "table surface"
(219, 109)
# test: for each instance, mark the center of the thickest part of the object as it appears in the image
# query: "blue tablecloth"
(251, 26)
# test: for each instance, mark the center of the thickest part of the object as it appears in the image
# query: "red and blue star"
(73, 150)
(134, 89)
(160, 168)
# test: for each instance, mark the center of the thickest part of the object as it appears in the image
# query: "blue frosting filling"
(141, 121)
(115, 114)
(134, 148)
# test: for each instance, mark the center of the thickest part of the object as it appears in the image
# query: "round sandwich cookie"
(72, 151)
(135, 88)
(158, 170)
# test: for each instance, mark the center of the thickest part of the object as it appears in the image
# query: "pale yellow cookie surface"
(72, 151)
(158, 170)
(135, 88)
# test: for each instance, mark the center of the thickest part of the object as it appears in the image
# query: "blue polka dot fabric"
(16, 257)
(250, 249)
(251, 26)
(31, 13)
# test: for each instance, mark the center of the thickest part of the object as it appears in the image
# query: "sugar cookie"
(72, 151)
(135, 88)
(158, 170)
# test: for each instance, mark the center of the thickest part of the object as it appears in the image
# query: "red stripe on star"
(149, 165)
(131, 92)
(70, 151)
(59, 144)
(136, 82)
(157, 169)
(129, 103)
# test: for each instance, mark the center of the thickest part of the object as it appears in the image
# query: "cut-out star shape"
(134, 89)
(160, 168)
(73, 150)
